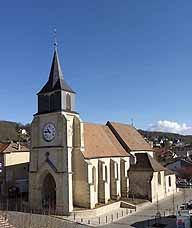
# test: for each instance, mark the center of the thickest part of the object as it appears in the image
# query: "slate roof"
(168, 172)
(146, 163)
(129, 137)
(183, 162)
(100, 142)
(56, 81)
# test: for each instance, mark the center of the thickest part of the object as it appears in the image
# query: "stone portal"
(49, 193)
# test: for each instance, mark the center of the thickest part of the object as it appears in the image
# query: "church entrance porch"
(49, 193)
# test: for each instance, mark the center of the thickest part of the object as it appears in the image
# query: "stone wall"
(158, 186)
(170, 189)
(140, 184)
(81, 194)
(19, 219)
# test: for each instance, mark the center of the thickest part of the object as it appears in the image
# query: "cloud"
(171, 126)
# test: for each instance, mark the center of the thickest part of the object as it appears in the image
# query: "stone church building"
(77, 164)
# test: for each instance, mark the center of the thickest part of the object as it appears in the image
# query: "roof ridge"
(124, 124)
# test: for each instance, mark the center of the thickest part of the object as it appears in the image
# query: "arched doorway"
(49, 193)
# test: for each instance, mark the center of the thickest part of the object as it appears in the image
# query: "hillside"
(151, 135)
(11, 131)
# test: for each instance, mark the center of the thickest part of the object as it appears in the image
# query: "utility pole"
(173, 203)
(158, 214)
(184, 195)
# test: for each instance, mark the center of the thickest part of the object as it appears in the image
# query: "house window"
(169, 181)
(68, 102)
(159, 178)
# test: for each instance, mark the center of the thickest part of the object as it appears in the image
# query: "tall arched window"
(169, 181)
(106, 179)
(159, 177)
(68, 102)
(94, 178)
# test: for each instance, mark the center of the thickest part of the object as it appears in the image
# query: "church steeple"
(56, 81)
(56, 94)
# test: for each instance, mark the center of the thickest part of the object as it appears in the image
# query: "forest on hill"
(11, 131)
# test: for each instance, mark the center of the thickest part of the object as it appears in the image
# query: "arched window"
(116, 171)
(159, 177)
(169, 181)
(68, 102)
(105, 173)
(94, 178)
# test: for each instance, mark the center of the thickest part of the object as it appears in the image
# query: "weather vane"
(55, 38)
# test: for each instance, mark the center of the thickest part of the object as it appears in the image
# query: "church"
(79, 164)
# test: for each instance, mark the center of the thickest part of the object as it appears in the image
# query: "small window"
(169, 181)
(159, 177)
(68, 102)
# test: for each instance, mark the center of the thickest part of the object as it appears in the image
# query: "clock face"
(49, 132)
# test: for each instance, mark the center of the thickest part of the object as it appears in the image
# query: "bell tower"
(50, 176)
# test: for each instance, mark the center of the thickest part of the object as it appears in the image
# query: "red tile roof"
(99, 141)
(12, 147)
(129, 137)
(3, 146)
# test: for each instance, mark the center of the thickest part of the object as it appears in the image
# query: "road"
(146, 217)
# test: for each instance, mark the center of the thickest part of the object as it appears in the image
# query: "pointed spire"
(56, 81)
(56, 72)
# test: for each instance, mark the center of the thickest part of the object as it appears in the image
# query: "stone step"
(4, 223)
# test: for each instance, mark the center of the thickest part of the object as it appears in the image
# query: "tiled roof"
(3, 146)
(100, 142)
(146, 163)
(129, 137)
(12, 147)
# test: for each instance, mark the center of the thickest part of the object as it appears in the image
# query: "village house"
(14, 167)
(181, 167)
(78, 164)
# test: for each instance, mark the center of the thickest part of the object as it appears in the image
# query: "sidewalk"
(105, 218)
(109, 217)
(5, 223)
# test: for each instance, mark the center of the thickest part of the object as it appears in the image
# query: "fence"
(19, 214)
(30, 220)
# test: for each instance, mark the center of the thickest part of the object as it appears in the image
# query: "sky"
(128, 61)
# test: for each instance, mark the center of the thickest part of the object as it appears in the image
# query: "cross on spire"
(55, 38)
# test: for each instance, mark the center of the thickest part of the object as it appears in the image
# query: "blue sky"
(125, 59)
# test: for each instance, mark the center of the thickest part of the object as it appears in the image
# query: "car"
(183, 206)
(182, 184)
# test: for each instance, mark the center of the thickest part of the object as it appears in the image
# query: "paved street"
(146, 217)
